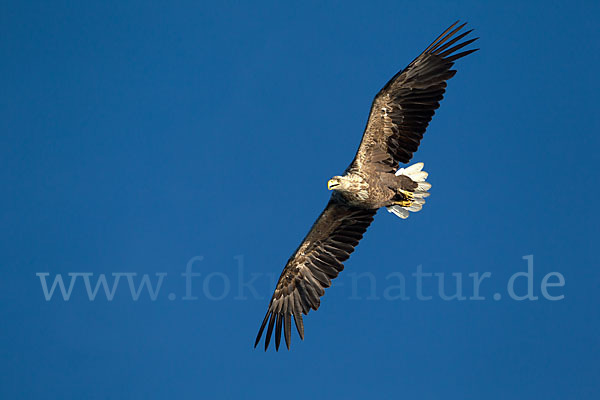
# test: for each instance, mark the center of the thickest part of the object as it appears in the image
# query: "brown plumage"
(399, 116)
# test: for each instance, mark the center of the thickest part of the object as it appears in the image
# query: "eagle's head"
(341, 183)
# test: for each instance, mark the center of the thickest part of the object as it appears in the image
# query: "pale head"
(340, 183)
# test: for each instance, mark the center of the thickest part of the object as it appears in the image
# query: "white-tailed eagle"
(398, 119)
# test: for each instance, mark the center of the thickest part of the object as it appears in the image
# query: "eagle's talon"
(407, 194)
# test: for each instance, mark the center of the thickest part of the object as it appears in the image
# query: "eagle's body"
(398, 119)
(380, 189)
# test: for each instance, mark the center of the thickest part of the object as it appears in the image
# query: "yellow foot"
(404, 203)
(407, 194)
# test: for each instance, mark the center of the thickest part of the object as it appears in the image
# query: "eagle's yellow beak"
(331, 184)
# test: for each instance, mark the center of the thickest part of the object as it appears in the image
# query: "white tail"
(417, 198)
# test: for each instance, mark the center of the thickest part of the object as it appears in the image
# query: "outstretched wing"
(402, 110)
(310, 270)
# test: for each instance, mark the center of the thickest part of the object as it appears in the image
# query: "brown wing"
(402, 110)
(310, 270)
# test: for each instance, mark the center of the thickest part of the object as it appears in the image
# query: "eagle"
(399, 116)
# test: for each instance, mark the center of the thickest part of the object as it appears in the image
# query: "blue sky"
(136, 136)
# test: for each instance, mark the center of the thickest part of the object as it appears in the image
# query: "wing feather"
(309, 271)
(402, 110)
(287, 320)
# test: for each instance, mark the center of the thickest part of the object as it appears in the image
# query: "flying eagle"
(397, 121)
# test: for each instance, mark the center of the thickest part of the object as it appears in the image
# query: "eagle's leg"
(404, 200)
(408, 197)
